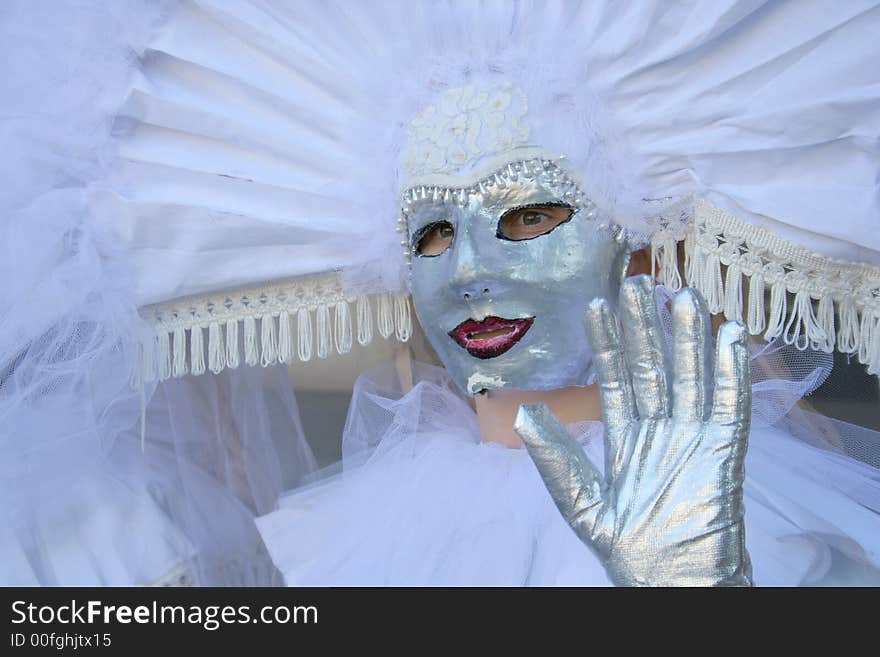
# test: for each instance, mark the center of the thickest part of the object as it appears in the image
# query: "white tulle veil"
(196, 189)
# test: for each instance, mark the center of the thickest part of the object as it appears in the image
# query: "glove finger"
(575, 484)
(732, 399)
(615, 389)
(645, 352)
(692, 357)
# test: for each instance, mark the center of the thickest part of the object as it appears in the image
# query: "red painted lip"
(467, 335)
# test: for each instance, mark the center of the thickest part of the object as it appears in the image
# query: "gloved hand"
(669, 509)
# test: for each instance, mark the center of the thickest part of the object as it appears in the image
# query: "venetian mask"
(505, 261)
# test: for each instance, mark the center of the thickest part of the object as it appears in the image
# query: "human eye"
(433, 239)
(530, 222)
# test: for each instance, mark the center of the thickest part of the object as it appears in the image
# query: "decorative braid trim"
(263, 324)
(814, 301)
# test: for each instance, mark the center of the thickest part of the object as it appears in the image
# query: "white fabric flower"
(466, 124)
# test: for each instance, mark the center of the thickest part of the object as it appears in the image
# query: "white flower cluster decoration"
(467, 124)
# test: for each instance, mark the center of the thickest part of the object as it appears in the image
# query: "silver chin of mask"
(503, 272)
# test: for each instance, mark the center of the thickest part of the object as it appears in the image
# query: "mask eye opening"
(433, 239)
(512, 228)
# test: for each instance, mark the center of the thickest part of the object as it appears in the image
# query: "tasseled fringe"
(250, 341)
(705, 275)
(689, 242)
(216, 349)
(343, 328)
(848, 335)
(825, 323)
(693, 269)
(364, 321)
(386, 316)
(866, 333)
(269, 339)
(232, 359)
(664, 261)
(178, 364)
(778, 310)
(304, 335)
(402, 317)
(163, 358)
(713, 286)
(323, 326)
(756, 319)
(733, 302)
(197, 350)
(801, 316)
(803, 329)
(285, 340)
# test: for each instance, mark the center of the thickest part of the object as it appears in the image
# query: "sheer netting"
(82, 502)
(214, 444)
(89, 504)
(418, 499)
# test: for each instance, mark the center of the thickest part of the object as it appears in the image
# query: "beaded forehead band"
(548, 173)
(473, 141)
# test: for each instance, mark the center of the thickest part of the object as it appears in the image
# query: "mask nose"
(471, 280)
(474, 292)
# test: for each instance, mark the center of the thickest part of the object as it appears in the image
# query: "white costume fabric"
(420, 500)
(194, 188)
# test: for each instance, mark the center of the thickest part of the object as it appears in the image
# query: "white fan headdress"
(264, 149)
(193, 187)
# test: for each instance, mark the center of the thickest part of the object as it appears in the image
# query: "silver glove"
(669, 509)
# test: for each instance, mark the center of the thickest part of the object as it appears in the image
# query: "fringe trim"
(814, 301)
(266, 324)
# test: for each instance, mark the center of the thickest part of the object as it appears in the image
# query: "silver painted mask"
(503, 272)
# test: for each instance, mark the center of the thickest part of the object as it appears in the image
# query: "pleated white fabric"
(262, 140)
